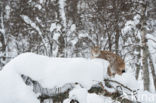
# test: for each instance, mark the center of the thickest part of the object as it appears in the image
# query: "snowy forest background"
(69, 28)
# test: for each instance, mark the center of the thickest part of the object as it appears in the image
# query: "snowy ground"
(55, 72)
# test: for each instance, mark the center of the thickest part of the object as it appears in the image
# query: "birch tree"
(3, 32)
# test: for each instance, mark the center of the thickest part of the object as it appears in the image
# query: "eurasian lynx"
(116, 63)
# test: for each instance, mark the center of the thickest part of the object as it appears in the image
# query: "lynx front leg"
(92, 57)
(109, 71)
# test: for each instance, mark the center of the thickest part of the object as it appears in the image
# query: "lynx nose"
(123, 71)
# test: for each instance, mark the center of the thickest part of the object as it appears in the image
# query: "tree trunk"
(61, 46)
(145, 61)
(153, 70)
(117, 41)
(138, 64)
(2, 40)
(145, 54)
(137, 71)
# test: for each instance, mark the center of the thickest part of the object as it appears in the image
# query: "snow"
(62, 11)
(94, 98)
(38, 6)
(38, 20)
(74, 41)
(50, 73)
(79, 94)
(7, 11)
(59, 70)
(56, 36)
(52, 27)
(81, 35)
(55, 29)
(83, 96)
(41, 1)
(73, 27)
(131, 24)
(29, 21)
(137, 18)
(33, 25)
(127, 79)
(13, 89)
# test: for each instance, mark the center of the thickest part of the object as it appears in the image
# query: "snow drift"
(49, 72)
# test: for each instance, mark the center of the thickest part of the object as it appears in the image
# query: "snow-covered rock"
(49, 72)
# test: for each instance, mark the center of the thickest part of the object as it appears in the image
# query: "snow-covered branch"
(27, 20)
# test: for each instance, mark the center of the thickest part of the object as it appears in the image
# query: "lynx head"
(95, 51)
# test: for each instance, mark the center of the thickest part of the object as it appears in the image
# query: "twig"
(119, 84)
(151, 39)
(117, 96)
(133, 91)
